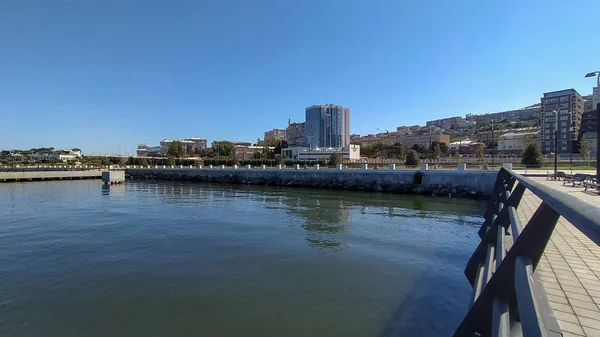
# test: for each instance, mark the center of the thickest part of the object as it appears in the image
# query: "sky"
(107, 75)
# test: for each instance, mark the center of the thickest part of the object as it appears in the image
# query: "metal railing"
(507, 298)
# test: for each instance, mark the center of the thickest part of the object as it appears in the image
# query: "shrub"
(412, 158)
(335, 159)
(532, 156)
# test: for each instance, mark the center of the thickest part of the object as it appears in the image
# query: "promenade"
(570, 266)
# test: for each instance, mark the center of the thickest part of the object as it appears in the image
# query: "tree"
(223, 148)
(437, 149)
(174, 149)
(335, 159)
(479, 151)
(532, 156)
(585, 149)
(420, 149)
(396, 151)
(282, 144)
(492, 144)
(412, 158)
(171, 160)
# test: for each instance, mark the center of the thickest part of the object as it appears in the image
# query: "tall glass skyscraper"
(327, 125)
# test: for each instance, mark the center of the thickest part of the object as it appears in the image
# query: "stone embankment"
(463, 184)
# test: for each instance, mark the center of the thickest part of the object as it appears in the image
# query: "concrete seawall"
(455, 183)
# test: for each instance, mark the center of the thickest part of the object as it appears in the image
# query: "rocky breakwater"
(464, 184)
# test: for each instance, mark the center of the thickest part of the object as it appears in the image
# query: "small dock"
(113, 177)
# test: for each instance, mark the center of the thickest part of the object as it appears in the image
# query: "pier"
(34, 174)
(536, 271)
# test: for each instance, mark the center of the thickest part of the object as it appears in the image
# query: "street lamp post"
(597, 74)
(555, 141)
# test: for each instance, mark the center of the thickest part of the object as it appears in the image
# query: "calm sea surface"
(187, 259)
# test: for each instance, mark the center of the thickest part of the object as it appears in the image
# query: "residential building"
(529, 113)
(595, 97)
(516, 142)
(587, 102)
(296, 134)
(465, 146)
(589, 122)
(564, 109)
(348, 152)
(327, 125)
(587, 132)
(445, 123)
(275, 134)
(408, 129)
(246, 152)
(425, 139)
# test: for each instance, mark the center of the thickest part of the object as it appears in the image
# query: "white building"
(517, 141)
(59, 155)
(348, 152)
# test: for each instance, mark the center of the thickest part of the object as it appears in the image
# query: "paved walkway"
(570, 267)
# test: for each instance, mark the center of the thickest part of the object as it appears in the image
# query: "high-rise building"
(567, 106)
(595, 97)
(327, 125)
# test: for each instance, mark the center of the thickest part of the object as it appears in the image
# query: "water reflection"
(326, 214)
(114, 190)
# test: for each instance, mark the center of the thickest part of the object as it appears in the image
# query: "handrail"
(583, 217)
(507, 297)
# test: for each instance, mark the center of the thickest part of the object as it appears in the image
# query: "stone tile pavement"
(570, 267)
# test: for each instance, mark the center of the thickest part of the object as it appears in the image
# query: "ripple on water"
(171, 258)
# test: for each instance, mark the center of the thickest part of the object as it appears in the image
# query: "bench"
(556, 176)
(578, 179)
(592, 183)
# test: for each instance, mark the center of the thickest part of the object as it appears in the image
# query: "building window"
(564, 148)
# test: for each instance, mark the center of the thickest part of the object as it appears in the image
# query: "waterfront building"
(348, 152)
(57, 155)
(595, 97)
(327, 125)
(569, 105)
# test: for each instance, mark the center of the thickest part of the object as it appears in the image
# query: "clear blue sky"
(107, 75)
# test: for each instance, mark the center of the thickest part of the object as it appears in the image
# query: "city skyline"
(107, 76)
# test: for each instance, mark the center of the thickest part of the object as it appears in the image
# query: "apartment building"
(561, 116)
